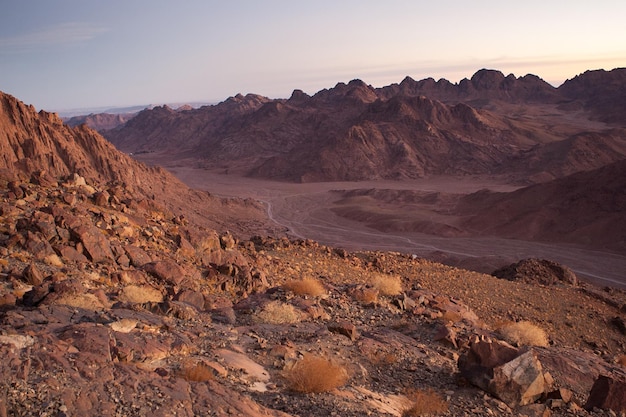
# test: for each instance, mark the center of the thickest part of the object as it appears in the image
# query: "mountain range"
(487, 125)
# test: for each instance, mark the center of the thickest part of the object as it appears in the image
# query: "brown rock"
(69, 253)
(101, 198)
(97, 246)
(39, 248)
(138, 257)
(447, 334)
(520, 381)
(167, 271)
(193, 298)
(607, 393)
(345, 328)
(33, 274)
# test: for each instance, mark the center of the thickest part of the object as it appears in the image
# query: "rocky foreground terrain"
(118, 300)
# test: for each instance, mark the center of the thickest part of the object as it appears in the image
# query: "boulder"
(96, 245)
(167, 271)
(607, 393)
(520, 381)
(514, 376)
(138, 257)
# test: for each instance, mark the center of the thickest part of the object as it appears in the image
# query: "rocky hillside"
(112, 305)
(37, 146)
(489, 124)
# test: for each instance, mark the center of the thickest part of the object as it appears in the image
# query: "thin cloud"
(62, 34)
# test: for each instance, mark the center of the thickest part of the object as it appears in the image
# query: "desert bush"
(425, 403)
(452, 316)
(196, 372)
(365, 295)
(306, 286)
(277, 312)
(314, 374)
(387, 284)
(523, 333)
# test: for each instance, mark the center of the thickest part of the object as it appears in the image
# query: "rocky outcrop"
(537, 271)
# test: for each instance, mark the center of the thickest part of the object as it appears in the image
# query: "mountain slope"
(39, 145)
(587, 208)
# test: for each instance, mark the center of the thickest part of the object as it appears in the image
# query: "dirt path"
(304, 209)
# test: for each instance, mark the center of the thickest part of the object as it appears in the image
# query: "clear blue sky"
(67, 54)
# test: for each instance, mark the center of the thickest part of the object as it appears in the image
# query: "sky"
(82, 54)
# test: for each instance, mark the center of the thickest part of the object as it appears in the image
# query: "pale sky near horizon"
(69, 54)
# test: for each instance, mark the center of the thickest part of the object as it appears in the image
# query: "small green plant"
(313, 374)
(523, 333)
(425, 403)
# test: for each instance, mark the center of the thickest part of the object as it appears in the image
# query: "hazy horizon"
(72, 54)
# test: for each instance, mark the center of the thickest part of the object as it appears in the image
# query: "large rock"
(96, 244)
(520, 381)
(607, 393)
(514, 376)
(167, 271)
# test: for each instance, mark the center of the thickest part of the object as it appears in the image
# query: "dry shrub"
(452, 316)
(365, 295)
(277, 312)
(383, 358)
(315, 374)
(306, 286)
(140, 294)
(425, 403)
(387, 284)
(196, 372)
(523, 333)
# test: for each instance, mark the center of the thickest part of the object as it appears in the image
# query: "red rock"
(345, 328)
(33, 274)
(69, 253)
(97, 246)
(193, 298)
(607, 393)
(167, 271)
(138, 257)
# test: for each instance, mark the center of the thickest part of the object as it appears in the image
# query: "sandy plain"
(306, 211)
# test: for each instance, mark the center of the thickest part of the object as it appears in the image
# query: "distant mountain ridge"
(484, 125)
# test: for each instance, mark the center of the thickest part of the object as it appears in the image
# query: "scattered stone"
(344, 328)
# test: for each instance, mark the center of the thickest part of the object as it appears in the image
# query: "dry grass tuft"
(523, 333)
(425, 403)
(366, 296)
(452, 316)
(387, 284)
(306, 286)
(314, 374)
(277, 312)
(196, 372)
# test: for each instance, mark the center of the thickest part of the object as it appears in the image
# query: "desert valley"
(424, 248)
